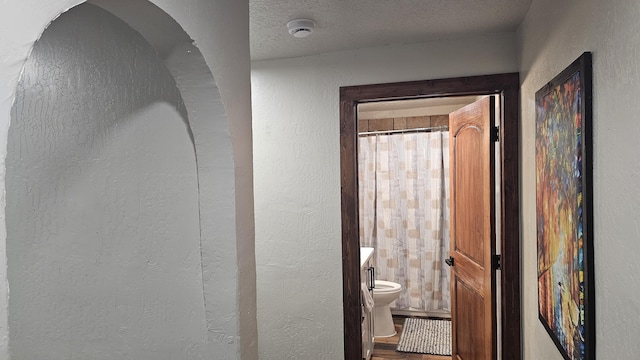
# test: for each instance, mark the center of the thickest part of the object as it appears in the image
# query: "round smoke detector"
(301, 27)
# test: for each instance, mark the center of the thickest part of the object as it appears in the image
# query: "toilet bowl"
(384, 293)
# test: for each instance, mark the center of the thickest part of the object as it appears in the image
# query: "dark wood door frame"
(506, 85)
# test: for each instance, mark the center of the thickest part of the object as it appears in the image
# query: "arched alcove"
(173, 270)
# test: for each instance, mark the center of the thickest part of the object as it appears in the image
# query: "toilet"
(384, 293)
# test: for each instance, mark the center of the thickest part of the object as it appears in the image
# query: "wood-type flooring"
(385, 348)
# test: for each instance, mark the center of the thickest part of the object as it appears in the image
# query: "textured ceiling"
(413, 107)
(348, 24)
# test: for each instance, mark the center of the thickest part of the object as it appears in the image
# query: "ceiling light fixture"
(301, 27)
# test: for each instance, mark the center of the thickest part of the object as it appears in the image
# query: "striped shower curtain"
(404, 214)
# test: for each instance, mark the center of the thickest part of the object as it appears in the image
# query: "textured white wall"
(103, 232)
(220, 31)
(297, 186)
(554, 34)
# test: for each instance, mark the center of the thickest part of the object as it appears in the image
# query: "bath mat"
(425, 336)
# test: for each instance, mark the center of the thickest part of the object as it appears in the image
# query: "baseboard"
(441, 314)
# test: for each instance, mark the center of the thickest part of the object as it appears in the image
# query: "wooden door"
(472, 231)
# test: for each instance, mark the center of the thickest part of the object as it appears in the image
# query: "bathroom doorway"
(505, 89)
(403, 190)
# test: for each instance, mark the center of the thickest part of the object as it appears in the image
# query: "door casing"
(508, 87)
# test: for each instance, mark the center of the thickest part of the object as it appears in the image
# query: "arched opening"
(107, 166)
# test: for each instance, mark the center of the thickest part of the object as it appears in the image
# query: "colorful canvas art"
(563, 210)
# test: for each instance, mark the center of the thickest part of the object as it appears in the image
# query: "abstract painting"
(564, 210)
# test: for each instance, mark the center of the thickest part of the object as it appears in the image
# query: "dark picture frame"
(564, 210)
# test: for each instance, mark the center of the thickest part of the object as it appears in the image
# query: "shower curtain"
(403, 184)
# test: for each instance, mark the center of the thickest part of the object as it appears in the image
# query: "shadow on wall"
(104, 240)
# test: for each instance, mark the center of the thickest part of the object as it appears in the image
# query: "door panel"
(472, 231)
(471, 319)
(469, 240)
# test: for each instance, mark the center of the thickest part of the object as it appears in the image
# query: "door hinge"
(495, 133)
(497, 262)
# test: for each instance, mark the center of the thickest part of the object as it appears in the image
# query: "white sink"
(365, 254)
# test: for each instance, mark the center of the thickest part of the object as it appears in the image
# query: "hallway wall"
(220, 30)
(297, 186)
(553, 34)
(102, 216)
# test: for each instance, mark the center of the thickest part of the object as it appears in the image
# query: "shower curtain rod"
(401, 131)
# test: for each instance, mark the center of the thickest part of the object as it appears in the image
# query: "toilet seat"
(382, 287)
